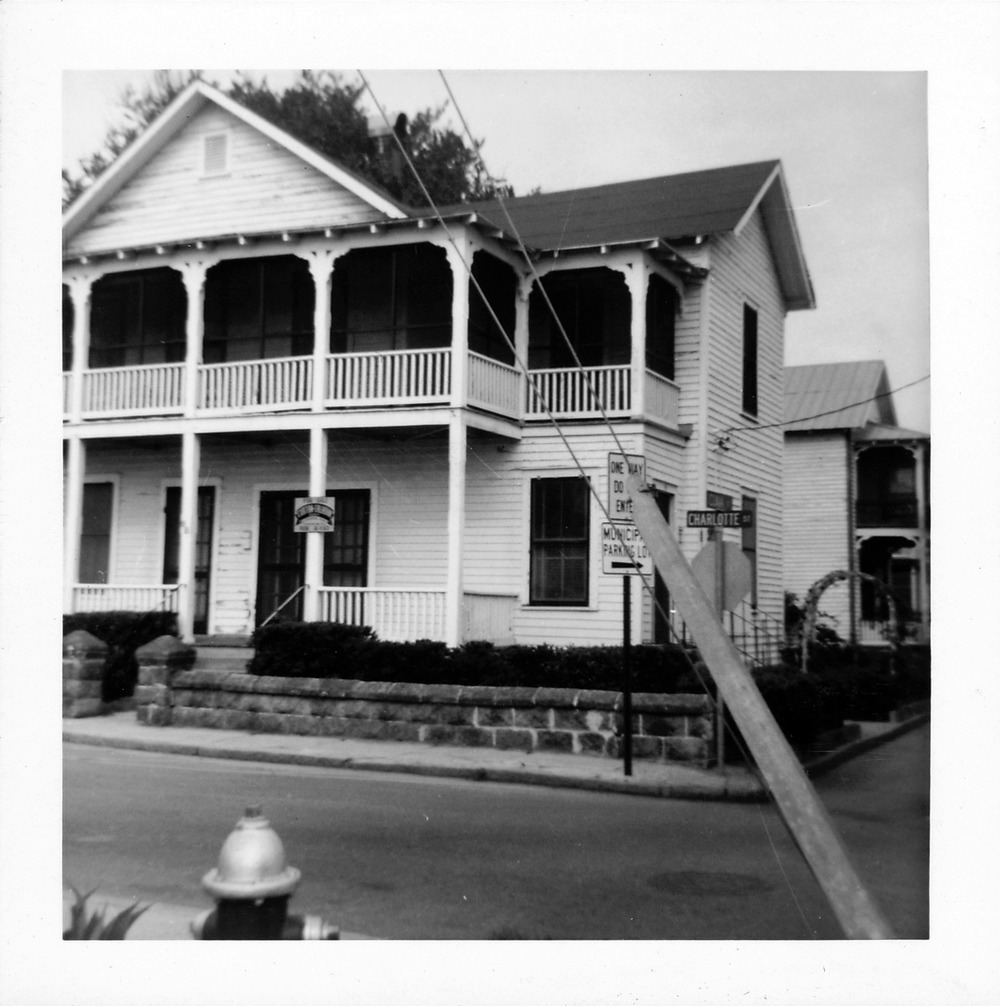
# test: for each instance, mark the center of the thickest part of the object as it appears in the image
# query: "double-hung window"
(560, 541)
(749, 360)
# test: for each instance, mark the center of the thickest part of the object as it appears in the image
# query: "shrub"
(329, 650)
(309, 649)
(84, 926)
(123, 632)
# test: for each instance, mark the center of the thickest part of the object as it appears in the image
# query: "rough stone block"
(440, 733)
(454, 715)
(363, 729)
(167, 650)
(78, 708)
(81, 644)
(701, 726)
(588, 742)
(592, 698)
(554, 698)
(441, 694)
(658, 725)
(158, 716)
(330, 726)
(569, 719)
(554, 740)
(89, 669)
(81, 689)
(538, 719)
(598, 720)
(493, 716)
(514, 740)
(397, 731)
(156, 695)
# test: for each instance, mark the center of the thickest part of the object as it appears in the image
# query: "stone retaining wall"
(665, 727)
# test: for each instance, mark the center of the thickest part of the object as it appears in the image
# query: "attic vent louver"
(215, 154)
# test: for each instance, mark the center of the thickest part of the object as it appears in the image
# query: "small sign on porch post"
(314, 513)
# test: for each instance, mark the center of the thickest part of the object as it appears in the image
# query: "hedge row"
(123, 632)
(329, 650)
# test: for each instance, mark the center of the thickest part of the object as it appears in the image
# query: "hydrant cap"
(251, 862)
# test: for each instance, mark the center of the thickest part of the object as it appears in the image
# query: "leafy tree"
(321, 109)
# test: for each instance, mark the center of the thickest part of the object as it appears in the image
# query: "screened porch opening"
(887, 488)
(391, 299)
(136, 318)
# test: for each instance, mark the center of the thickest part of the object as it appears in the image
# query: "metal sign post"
(627, 669)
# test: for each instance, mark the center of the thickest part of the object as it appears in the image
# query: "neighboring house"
(856, 498)
(246, 322)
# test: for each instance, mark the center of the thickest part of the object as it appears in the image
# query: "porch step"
(222, 641)
(222, 658)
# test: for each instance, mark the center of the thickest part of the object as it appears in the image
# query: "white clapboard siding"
(267, 189)
(743, 272)
(817, 518)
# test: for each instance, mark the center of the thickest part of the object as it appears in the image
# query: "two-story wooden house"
(856, 499)
(246, 323)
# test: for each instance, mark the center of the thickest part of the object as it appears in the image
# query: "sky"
(854, 146)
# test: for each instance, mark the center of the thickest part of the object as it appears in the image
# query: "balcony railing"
(396, 614)
(371, 380)
(118, 597)
(888, 513)
(282, 383)
(405, 377)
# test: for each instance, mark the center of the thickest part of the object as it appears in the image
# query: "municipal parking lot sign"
(620, 545)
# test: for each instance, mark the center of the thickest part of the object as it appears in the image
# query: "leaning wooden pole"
(805, 815)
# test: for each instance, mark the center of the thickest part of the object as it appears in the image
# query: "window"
(748, 541)
(215, 154)
(203, 548)
(386, 299)
(257, 309)
(67, 342)
(595, 310)
(560, 541)
(749, 360)
(95, 532)
(138, 317)
(499, 285)
(661, 313)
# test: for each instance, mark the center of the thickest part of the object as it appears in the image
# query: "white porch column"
(315, 540)
(459, 321)
(79, 290)
(76, 464)
(923, 573)
(193, 274)
(637, 280)
(456, 527)
(190, 464)
(321, 267)
(521, 338)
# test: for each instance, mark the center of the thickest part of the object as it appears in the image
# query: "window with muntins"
(137, 318)
(258, 309)
(386, 299)
(560, 541)
(95, 532)
(67, 338)
(749, 360)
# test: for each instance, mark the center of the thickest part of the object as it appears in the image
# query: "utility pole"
(802, 810)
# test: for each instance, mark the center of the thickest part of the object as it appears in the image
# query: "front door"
(203, 548)
(281, 552)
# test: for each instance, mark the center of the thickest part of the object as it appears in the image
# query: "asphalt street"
(418, 858)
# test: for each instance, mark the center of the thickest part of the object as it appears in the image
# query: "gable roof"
(838, 396)
(172, 119)
(675, 208)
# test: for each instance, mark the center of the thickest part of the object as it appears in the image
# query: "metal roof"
(880, 431)
(838, 396)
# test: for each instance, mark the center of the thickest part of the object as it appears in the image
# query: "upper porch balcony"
(240, 340)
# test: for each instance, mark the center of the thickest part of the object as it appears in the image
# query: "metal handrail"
(291, 597)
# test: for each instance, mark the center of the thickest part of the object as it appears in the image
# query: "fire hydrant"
(251, 886)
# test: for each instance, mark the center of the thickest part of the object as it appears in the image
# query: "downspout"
(852, 559)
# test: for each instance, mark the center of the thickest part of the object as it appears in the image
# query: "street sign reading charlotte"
(620, 466)
(620, 545)
(720, 518)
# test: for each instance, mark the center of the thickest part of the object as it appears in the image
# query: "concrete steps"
(222, 653)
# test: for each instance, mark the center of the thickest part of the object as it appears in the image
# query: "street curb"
(818, 766)
(746, 789)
